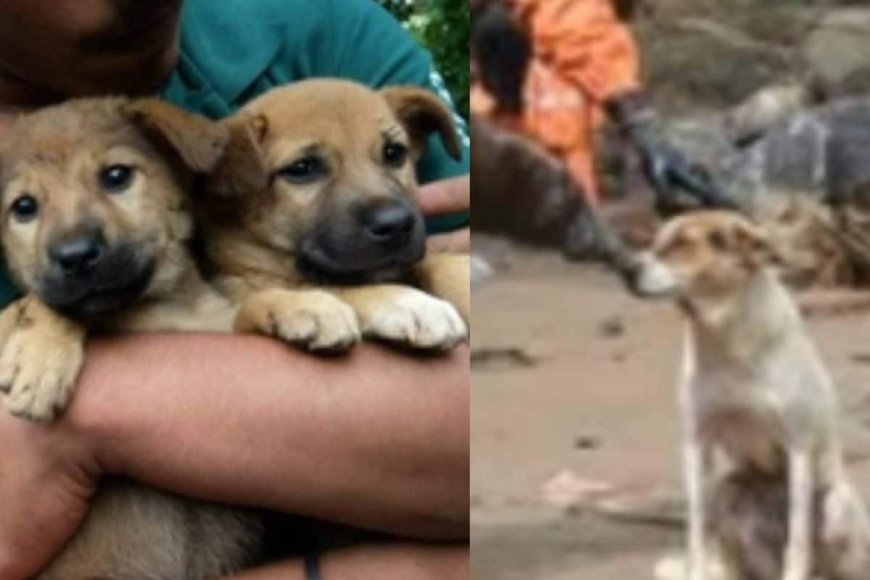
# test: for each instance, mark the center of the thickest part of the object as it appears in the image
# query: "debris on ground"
(567, 490)
(489, 358)
(612, 327)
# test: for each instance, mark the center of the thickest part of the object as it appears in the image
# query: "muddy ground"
(573, 385)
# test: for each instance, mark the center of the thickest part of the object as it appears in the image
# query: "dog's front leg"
(40, 360)
(405, 316)
(798, 555)
(312, 319)
(696, 462)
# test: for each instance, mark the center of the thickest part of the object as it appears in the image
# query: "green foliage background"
(442, 27)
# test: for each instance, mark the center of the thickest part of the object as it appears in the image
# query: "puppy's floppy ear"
(241, 169)
(198, 141)
(422, 113)
(755, 247)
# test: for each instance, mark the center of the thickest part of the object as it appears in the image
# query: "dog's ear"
(422, 113)
(198, 141)
(241, 169)
(755, 247)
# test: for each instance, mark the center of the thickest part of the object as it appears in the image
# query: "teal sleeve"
(8, 291)
(370, 46)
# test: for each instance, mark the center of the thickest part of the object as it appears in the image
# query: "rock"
(822, 152)
(502, 358)
(612, 327)
(709, 54)
(690, 68)
(836, 50)
(481, 270)
(765, 109)
(520, 190)
(586, 443)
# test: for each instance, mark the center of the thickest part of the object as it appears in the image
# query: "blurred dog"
(316, 194)
(96, 227)
(753, 385)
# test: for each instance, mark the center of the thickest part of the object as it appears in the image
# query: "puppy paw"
(311, 319)
(414, 319)
(39, 364)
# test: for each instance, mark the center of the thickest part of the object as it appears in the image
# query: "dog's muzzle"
(86, 277)
(376, 242)
(648, 277)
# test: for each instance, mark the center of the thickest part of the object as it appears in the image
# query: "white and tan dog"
(754, 388)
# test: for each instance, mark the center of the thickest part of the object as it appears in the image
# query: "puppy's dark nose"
(79, 254)
(389, 222)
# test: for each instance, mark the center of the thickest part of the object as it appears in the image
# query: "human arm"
(586, 44)
(376, 440)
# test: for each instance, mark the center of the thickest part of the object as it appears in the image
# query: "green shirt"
(235, 50)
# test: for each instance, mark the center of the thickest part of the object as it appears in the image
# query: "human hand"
(47, 475)
(446, 197)
(667, 168)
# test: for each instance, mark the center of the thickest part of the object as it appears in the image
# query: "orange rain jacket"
(583, 55)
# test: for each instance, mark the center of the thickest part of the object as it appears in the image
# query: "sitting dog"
(753, 386)
(316, 193)
(96, 231)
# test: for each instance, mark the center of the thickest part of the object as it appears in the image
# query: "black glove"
(667, 169)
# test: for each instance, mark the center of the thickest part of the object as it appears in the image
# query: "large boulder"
(702, 55)
(836, 51)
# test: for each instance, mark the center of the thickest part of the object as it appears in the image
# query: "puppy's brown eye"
(395, 155)
(305, 170)
(718, 241)
(115, 178)
(25, 208)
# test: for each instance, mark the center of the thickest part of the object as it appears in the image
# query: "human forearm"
(376, 439)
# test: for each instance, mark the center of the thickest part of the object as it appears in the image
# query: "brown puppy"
(96, 226)
(317, 190)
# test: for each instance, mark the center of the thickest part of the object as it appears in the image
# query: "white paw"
(311, 319)
(329, 326)
(38, 373)
(416, 320)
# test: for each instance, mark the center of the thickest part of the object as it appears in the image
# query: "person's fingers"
(446, 196)
(452, 242)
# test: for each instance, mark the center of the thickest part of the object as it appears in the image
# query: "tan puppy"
(753, 386)
(317, 192)
(96, 226)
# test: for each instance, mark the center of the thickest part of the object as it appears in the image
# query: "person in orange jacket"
(555, 70)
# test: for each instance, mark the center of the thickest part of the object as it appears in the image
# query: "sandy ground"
(572, 376)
